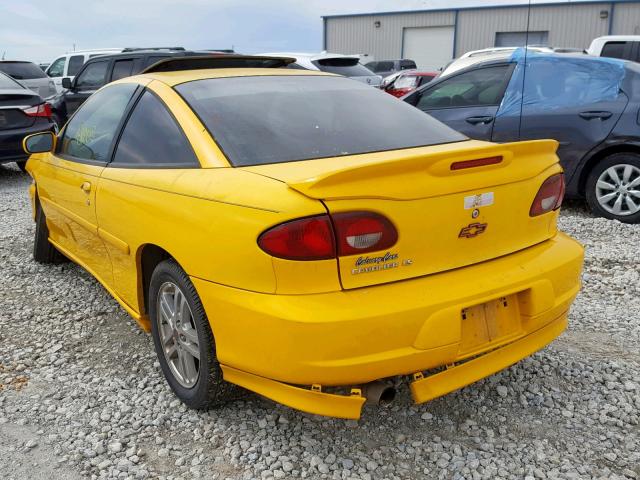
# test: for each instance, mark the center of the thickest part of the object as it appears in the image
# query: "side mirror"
(66, 83)
(42, 142)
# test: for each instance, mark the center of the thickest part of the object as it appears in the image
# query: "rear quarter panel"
(209, 220)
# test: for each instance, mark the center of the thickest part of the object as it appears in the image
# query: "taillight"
(549, 196)
(42, 110)
(361, 232)
(308, 238)
(323, 237)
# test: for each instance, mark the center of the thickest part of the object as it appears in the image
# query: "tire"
(204, 388)
(43, 250)
(57, 120)
(611, 202)
(22, 165)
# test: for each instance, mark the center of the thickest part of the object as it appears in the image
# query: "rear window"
(8, 83)
(348, 67)
(22, 70)
(406, 81)
(277, 119)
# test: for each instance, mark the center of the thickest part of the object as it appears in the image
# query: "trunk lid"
(431, 205)
(11, 104)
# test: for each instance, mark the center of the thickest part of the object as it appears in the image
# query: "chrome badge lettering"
(376, 264)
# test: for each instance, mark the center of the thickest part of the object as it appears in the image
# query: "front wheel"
(183, 339)
(613, 188)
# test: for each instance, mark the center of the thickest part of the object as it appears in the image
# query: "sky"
(39, 30)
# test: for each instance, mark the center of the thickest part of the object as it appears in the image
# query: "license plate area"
(489, 324)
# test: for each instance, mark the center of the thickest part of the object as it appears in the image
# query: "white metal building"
(433, 37)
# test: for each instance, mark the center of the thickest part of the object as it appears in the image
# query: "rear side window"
(22, 70)
(122, 69)
(407, 64)
(152, 138)
(57, 68)
(91, 131)
(384, 66)
(614, 50)
(347, 67)
(75, 64)
(276, 119)
(483, 86)
(93, 76)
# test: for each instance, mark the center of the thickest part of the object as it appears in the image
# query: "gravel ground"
(81, 394)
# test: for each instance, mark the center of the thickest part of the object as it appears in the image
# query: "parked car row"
(22, 112)
(579, 100)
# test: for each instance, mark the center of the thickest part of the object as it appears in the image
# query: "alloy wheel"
(178, 334)
(618, 189)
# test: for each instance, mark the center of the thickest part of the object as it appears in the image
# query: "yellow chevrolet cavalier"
(303, 235)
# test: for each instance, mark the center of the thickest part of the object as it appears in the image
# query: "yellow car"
(303, 235)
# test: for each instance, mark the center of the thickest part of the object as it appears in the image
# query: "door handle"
(86, 187)
(592, 115)
(481, 119)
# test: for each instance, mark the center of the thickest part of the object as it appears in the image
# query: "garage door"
(430, 47)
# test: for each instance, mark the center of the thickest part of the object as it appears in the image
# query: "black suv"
(103, 69)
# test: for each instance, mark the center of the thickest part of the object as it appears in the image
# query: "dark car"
(99, 71)
(590, 105)
(385, 68)
(22, 112)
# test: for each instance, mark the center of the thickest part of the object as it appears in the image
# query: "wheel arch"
(591, 162)
(148, 257)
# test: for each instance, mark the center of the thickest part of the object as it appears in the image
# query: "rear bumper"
(11, 140)
(357, 336)
(423, 388)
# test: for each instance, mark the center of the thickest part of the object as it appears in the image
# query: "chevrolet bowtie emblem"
(472, 230)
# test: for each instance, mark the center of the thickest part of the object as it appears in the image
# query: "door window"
(57, 67)
(75, 63)
(122, 69)
(481, 87)
(93, 76)
(551, 84)
(614, 50)
(91, 131)
(152, 138)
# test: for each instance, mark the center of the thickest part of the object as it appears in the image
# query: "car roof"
(141, 53)
(183, 76)
(540, 55)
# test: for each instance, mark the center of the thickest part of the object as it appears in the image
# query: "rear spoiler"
(176, 64)
(418, 173)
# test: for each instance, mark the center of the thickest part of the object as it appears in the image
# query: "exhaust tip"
(379, 393)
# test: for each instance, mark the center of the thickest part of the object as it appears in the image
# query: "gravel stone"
(81, 381)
